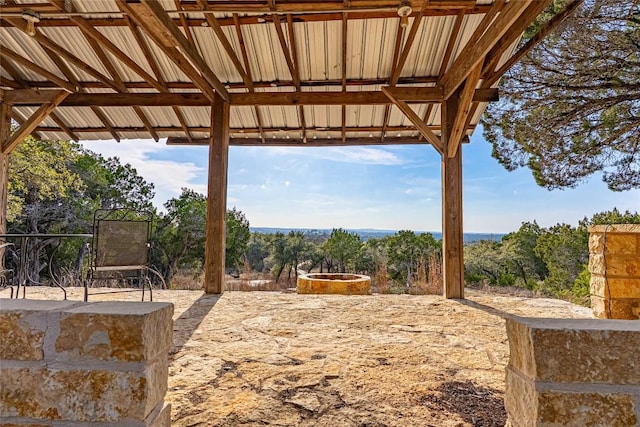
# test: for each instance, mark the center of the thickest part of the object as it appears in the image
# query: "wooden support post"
(452, 239)
(5, 124)
(217, 198)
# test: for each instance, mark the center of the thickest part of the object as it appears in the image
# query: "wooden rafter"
(465, 98)
(492, 75)
(32, 122)
(217, 29)
(106, 62)
(184, 22)
(155, 21)
(24, 85)
(473, 54)
(394, 61)
(47, 43)
(245, 59)
(8, 53)
(142, 43)
(427, 133)
(296, 67)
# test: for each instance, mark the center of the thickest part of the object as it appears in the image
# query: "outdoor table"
(24, 259)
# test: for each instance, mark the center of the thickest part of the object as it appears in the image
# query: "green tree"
(485, 260)
(180, 236)
(237, 239)
(564, 250)
(571, 107)
(343, 247)
(405, 249)
(518, 251)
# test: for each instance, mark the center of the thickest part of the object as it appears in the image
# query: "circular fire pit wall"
(334, 283)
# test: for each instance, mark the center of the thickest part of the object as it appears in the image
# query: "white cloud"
(358, 155)
(168, 176)
(287, 183)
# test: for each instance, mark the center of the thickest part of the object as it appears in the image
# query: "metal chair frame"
(5, 281)
(117, 252)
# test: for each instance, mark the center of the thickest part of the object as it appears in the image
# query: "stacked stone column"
(614, 264)
(66, 363)
(573, 372)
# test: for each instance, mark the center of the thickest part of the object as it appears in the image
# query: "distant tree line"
(55, 187)
(550, 261)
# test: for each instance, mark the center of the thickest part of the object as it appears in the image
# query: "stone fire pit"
(334, 283)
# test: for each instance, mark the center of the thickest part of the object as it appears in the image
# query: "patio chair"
(120, 251)
(6, 274)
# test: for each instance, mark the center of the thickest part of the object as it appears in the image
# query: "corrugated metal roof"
(370, 54)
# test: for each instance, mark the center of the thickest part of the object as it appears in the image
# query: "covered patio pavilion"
(261, 73)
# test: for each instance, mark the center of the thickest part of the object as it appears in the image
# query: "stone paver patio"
(270, 358)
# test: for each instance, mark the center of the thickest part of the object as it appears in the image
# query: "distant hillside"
(366, 233)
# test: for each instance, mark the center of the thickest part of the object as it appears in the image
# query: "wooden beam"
(465, 96)
(553, 23)
(394, 62)
(408, 95)
(519, 26)
(246, 132)
(318, 142)
(475, 53)
(452, 230)
(5, 130)
(234, 86)
(47, 43)
(151, 16)
(30, 124)
(217, 29)
(422, 127)
(214, 262)
(7, 53)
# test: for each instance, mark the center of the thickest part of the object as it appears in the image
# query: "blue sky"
(388, 187)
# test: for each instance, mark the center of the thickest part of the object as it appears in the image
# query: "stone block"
(161, 418)
(530, 403)
(22, 327)
(619, 308)
(615, 265)
(613, 243)
(96, 395)
(614, 287)
(115, 331)
(576, 350)
(334, 283)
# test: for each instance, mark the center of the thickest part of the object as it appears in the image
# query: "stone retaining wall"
(614, 264)
(69, 363)
(565, 372)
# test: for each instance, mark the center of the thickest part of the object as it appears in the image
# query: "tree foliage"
(571, 107)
